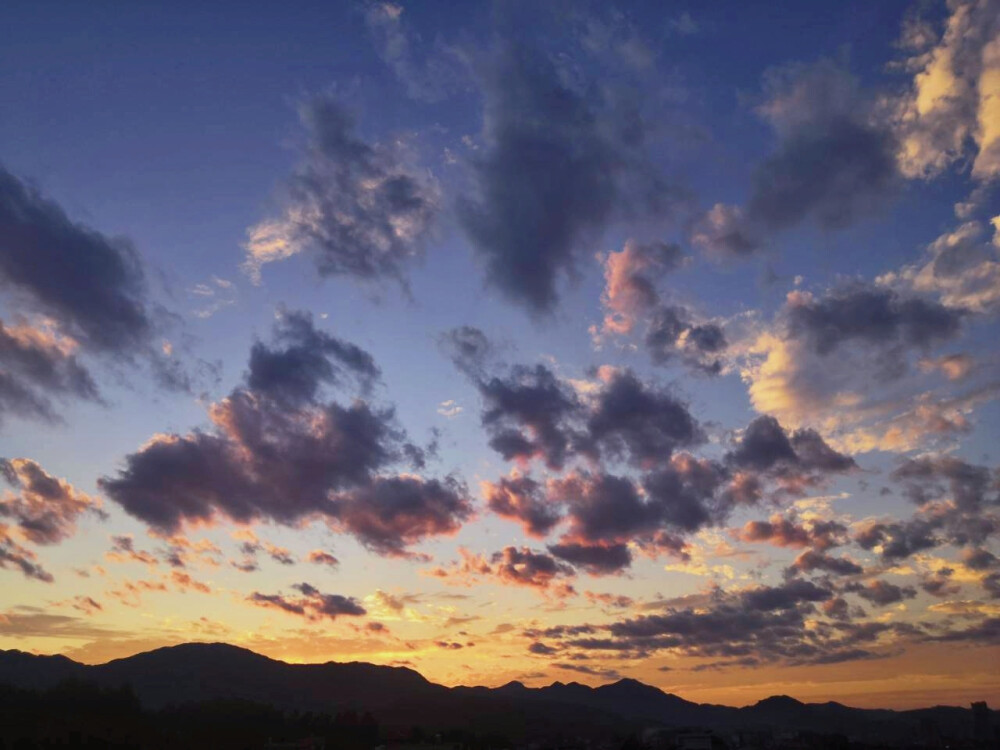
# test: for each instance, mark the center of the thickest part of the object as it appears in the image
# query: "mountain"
(402, 698)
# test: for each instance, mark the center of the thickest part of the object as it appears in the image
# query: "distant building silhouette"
(981, 721)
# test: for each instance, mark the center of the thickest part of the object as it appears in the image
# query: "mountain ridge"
(400, 696)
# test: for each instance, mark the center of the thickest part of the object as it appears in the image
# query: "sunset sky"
(508, 341)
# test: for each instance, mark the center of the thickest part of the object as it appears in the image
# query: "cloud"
(559, 164)
(957, 503)
(13, 554)
(531, 413)
(362, 210)
(844, 363)
(961, 268)
(522, 499)
(532, 399)
(596, 559)
(870, 315)
(811, 561)
(390, 513)
(313, 604)
(251, 546)
(624, 421)
(303, 358)
(449, 409)
(45, 508)
(277, 452)
(952, 366)
(92, 284)
(970, 487)
(469, 349)
(320, 557)
(834, 163)
(820, 535)
(511, 566)
(89, 295)
(646, 425)
(36, 365)
(951, 110)
(429, 72)
(766, 447)
(882, 593)
(630, 276)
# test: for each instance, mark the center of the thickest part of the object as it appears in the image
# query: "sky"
(505, 342)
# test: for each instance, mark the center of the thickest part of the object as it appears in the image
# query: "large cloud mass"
(277, 452)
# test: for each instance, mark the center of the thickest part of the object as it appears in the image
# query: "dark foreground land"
(219, 696)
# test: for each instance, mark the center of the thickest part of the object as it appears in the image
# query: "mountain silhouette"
(401, 697)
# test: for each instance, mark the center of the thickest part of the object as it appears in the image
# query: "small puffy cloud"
(522, 499)
(321, 557)
(449, 409)
(44, 508)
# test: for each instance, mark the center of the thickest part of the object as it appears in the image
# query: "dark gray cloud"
(389, 513)
(359, 208)
(528, 414)
(671, 333)
(302, 359)
(811, 561)
(745, 627)
(92, 284)
(45, 508)
(522, 499)
(264, 459)
(34, 369)
(560, 162)
(14, 555)
(765, 446)
(597, 559)
(834, 162)
(643, 424)
(958, 504)
(796, 460)
(897, 539)
(607, 512)
(531, 413)
(879, 316)
(881, 593)
(525, 567)
(313, 604)
(90, 288)
(631, 296)
(931, 478)
(784, 532)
